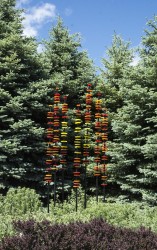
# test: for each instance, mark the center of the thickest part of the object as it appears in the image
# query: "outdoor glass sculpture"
(57, 143)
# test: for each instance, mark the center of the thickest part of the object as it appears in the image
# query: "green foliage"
(28, 82)
(20, 67)
(26, 98)
(20, 201)
(24, 204)
(116, 69)
(68, 62)
(130, 215)
(132, 110)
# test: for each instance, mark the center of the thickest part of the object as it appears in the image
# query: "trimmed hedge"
(94, 235)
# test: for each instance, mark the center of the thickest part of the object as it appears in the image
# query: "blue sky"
(95, 20)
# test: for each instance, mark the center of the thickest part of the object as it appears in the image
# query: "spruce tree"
(115, 68)
(133, 152)
(20, 66)
(113, 78)
(147, 169)
(68, 62)
(70, 69)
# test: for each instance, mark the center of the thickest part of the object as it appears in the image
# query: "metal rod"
(62, 185)
(104, 194)
(85, 188)
(54, 190)
(97, 188)
(48, 197)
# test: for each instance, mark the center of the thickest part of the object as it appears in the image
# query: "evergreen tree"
(116, 68)
(133, 152)
(69, 62)
(70, 69)
(114, 76)
(148, 168)
(20, 66)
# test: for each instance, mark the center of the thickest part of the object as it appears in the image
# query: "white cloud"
(40, 48)
(135, 60)
(68, 11)
(36, 17)
(30, 31)
(21, 2)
